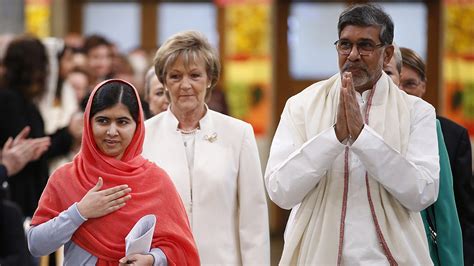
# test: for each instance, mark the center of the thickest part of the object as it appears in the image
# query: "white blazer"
(228, 215)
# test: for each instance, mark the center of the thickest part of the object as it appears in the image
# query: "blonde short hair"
(192, 45)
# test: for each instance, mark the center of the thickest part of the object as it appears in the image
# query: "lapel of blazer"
(172, 142)
(205, 143)
(173, 154)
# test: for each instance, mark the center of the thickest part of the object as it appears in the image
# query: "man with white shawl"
(355, 158)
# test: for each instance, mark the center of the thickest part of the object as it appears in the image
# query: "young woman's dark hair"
(26, 66)
(62, 55)
(114, 92)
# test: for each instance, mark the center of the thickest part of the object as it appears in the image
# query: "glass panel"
(12, 17)
(118, 22)
(312, 30)
(410, 20)
(176, 17)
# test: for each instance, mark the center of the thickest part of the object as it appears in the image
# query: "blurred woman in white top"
(155, 93)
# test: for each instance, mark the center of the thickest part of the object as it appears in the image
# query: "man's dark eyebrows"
(365, 40)
(358, 40)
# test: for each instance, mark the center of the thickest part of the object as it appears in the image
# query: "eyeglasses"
(364, 48)
(409, 84)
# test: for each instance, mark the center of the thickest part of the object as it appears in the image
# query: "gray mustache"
(347, 67)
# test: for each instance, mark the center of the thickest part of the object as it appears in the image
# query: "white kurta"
(294, 170)
(228, 211)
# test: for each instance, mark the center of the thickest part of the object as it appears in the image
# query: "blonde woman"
(212, 158)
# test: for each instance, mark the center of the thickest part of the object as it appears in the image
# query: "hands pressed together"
(349, 122)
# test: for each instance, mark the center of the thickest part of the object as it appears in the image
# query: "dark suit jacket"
(13, 247)
(3, 173)
(459, 151)
(16, 112)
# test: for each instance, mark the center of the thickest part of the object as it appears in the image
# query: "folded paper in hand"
(138, 241)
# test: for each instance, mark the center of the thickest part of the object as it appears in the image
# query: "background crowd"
(45, 85)
(44, 91)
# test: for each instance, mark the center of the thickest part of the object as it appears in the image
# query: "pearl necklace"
(188, 132)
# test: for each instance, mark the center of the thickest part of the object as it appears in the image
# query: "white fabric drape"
(314, 238)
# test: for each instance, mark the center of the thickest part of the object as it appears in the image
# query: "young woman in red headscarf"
(92, 203)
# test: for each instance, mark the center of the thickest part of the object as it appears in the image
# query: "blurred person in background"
(99, 55)
(441, 218)
(74, 40)
(218, 101)
(155, 94)
(140, 62)
(22, 85)
(19, 151)
(458, 144)
(13, 247)
(78, 81)
(122, 69)
(5, 39)
(79, 59)
(212, 158)
(58, 103)
(78, 78)
(394, 67)
(14, 155)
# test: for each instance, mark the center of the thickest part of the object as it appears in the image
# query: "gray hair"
(397, 54)
(148, 76)
(368, 15)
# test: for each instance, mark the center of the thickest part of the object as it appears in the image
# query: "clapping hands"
(17, 152)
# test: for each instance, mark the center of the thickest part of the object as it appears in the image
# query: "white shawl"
(314, 239)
